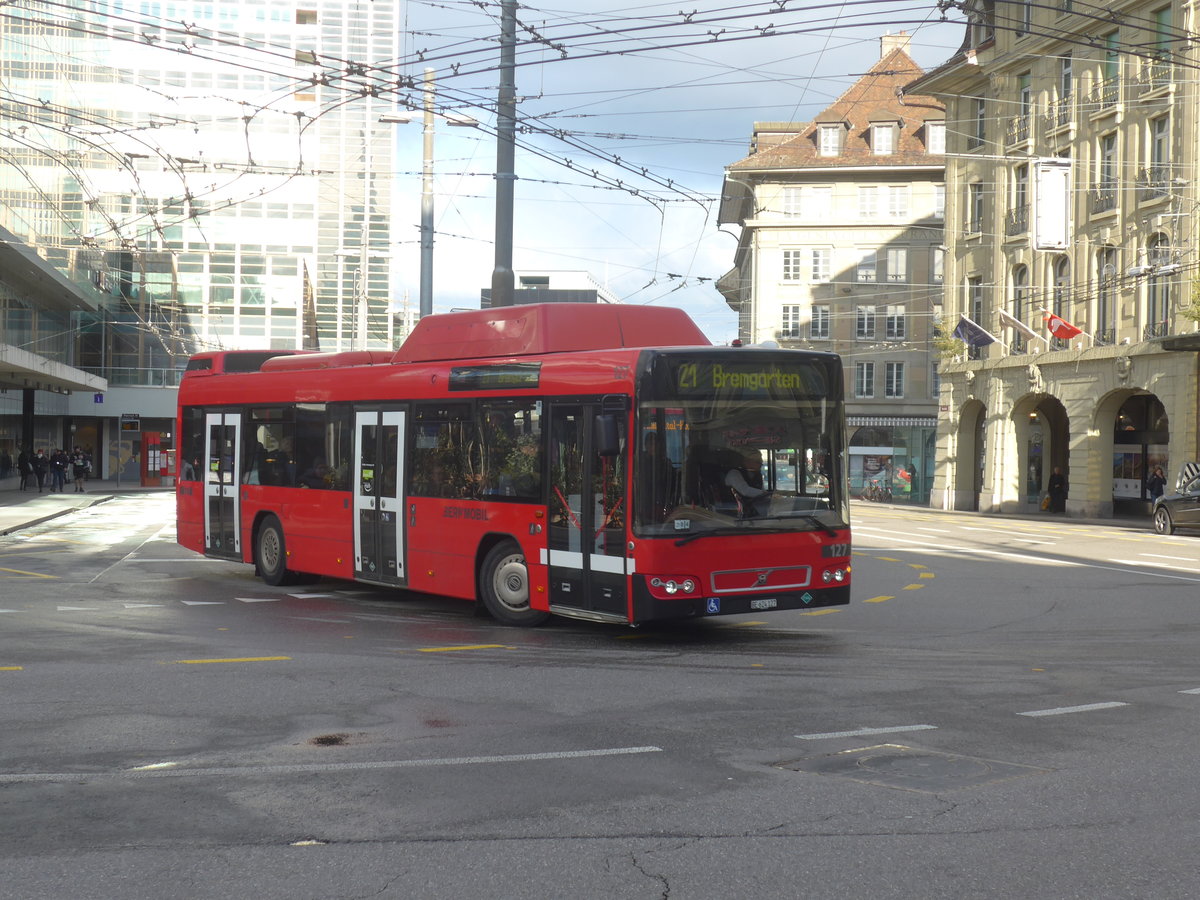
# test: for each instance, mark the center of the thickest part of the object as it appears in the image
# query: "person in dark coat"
(24, 467)
(41, 465)
(1156, 482)
(1057, 488)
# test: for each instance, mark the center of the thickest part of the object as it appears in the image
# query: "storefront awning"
(891, 421)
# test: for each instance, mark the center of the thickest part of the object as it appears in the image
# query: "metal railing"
(1016, 221)
(1103, 199)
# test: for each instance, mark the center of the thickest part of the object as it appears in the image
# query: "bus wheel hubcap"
(511, 583)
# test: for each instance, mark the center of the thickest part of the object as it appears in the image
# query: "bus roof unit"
(537, 328)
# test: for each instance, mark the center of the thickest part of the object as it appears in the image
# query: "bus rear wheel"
(270, 553)
(504, 586)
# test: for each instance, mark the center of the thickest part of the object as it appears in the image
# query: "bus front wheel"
(270, 553)
(504, 586)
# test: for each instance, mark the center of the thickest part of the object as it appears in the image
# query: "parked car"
(1181, 507)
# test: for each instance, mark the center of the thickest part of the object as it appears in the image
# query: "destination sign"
(749, 378)
(502, 377)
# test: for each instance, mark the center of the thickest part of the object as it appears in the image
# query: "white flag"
(1019, 326)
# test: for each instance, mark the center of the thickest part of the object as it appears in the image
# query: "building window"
(1159, 287)
(864, 379)
(1104, 197)
(897, 197)
(791, 198)
(818, 328)
(1112, 56)
(897, 264)
(818, 201)
(867, 266)
(883, 139)
(1106, 280)
(792, 315)
(822, 263)
(864, 323)
(935, 137)
(979, 133)
(939, 201)
(868, 202)
(937, 264)
(1066, 77)
(893, 385)
(1026, 13)
(829, 138)
(894, 323)
(975, 207)
(793, 264)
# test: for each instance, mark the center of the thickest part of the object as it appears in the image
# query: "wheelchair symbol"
(714, 605)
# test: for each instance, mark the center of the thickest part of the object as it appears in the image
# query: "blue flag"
(973, 335)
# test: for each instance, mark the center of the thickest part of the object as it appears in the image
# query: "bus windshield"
(739, 439)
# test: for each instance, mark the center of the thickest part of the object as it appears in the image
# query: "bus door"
(378, 517)
(587, 514)
(222, 532)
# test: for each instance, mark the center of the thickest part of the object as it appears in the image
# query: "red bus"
(600, 462)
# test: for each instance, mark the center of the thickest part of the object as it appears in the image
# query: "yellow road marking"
(927, 575)
(12, 668)
(742, 624)
(30, 574)
(463, 647)
(239, 659)
(912, 587)
(916, 566)
(887, 559)
(882, 599)
(820, 612)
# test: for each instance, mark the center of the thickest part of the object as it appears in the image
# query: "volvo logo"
(762, 578)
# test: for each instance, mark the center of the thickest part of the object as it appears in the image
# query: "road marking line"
(257, 599)
(888, 559)
(463, 647)
(8, 610)
(1158, 565)
(1192, 691)
(927, 575)
(12, 668)
(1064, 710)
(240, 659)
(882, 599)
(143, 605)
(740, 624)
(203, 602)
(1190, 559)
(863, 732)
(913, 587)
(30, 574)
(255, 771)
(820, 612)
(78, 608)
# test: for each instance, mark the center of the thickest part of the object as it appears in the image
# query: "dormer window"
(935, 137)
(883, 138)
(829, 139)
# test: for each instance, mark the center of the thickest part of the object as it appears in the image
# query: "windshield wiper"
(726, 532)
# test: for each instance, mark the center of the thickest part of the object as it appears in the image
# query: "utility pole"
(426, 305)
(506, 108)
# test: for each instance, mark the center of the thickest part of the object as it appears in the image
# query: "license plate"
(764, 604)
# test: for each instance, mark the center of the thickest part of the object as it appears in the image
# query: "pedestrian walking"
(41, 465)
(1156, 483)
(79, 469)
(58, 469)
(24, 468)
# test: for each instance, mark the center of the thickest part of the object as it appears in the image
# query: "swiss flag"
(1061, 328)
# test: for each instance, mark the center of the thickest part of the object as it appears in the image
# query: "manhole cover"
(897, 766)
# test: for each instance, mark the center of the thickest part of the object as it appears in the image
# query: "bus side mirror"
(607, 436)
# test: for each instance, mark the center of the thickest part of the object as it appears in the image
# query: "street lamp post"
(426, 295)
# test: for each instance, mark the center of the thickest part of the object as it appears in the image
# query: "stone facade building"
(841, 250)
(1071, 191)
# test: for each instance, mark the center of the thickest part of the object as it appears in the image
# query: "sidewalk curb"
(67, 510)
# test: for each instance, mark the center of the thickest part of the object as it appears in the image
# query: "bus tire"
(504, 586)
(270, 553)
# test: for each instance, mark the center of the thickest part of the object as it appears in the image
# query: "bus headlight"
(672, 585)
(838, 575)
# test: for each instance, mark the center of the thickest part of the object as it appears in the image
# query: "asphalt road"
(1007, 709)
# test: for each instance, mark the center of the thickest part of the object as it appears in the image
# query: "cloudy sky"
(627, 117)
